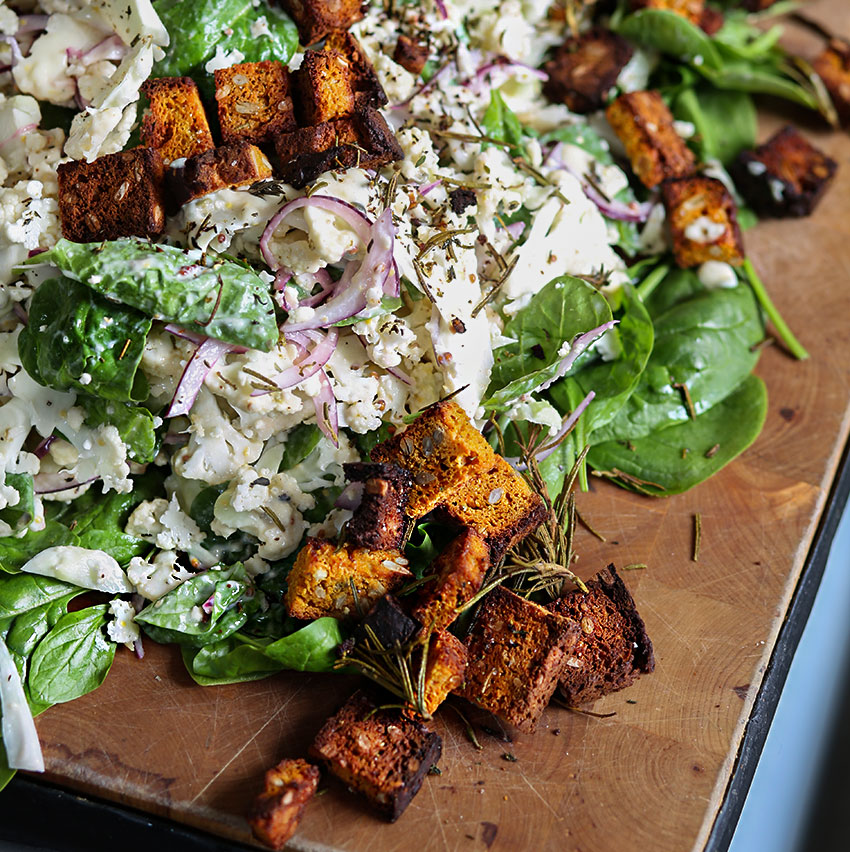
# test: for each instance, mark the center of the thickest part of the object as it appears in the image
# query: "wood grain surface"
(651, 777)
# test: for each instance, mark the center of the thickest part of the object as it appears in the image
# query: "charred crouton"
(228, 166)
(411, 55)
(690, 9)
(644, 125)
(833, 67)
(277, 810)
(784, 177)
(444, 669)
(322, 87)
(117, 195)
(499, 504)
(461, 198)
(387, 623)
(612, 649)
(442, 449)
(703, 221)
(517, 653)
(383, 754)
(711, 21)
(316, 18)
(362, 141)
(331, 580)
(364, 80)
(175, 122)
(379, 522)
(460, 571)
(585, 68)
(254, 101)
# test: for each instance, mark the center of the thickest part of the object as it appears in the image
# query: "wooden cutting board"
(650, 777)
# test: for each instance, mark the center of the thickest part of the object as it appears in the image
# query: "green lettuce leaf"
(135, 425)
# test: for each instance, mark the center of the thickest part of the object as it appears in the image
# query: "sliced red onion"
(427, 187)
(507, 63)
(31, 24)
(176, 438)
(207, 605)
(441, 8)
(139, 648)
(20, 313)
(515, 229)
(191, 336)
(44, 447)
(21, 131)
(308, 363)
(36, 251)
(111, 48)
(579, 343)
(351, 497)
(53, 483)
(202, 361)
(423, 88)
(323, 279)
(23, 750)
(17, 56)
(327, 416)
(400, 375)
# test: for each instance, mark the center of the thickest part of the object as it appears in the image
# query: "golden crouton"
(379, 522)
(322, 87)
(254, 101)
(690, 9)
(703, 221)
(316, 18)
(364, 80)
(517, 653)
(383, 754)
(444, 669)
(175, 122)
(460, 569)
(277, 810)
(644, 125)
(833, 67)
(584, 69)
(117, 195)
(410, 54)
(339, 581)
(228, 166)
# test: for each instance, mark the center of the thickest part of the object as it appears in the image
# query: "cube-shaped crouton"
(342, 582)
(254, 101)
(316, 18)
(379, 522)
(517, 654)
(833, 67)
(703, 221)
(277, 810)
(383, 754)
(322, 88)
(364, 80)
(117, 195)
(644, 125)
(226, 167)
(460, 569)
(584, 69)
(362, 141)
(612, 649)
(387, 623)
(410, 54)
(444, 669)
(784, 177)
(442, 449)
(690, 9)
(175, 122)
(499, 504)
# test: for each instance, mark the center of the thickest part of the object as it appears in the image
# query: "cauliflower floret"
(163, 523)
(155, 579)
(123, 628)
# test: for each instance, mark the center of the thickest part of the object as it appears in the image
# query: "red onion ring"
(49, 483)
(21, 131)
(327, 416)
(31, 24)
(579, 343)
(44, 447)
(198, 366)
(351, 496)
(441, 8)
(308, 363)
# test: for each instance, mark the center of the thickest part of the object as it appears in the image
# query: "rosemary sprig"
(697, 535)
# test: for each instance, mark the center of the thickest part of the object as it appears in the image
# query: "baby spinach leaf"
(301, 440)
(672, 34)
(672, 460)
(78, 340)
(310, 649)
(227, 661)
(73, 658)
(21, 593)
(14, 551)
(219, 298)
(202, 510)
(135, 425)
(24, 509)
(501, 123)
(426, 542)
(725, 121)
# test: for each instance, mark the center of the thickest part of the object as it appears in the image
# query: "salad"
(178, 406)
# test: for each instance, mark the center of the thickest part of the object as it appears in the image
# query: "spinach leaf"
(425, 544)
(725, 121)
(202, 510)
(227, 661)
(24, 509)
(135, 425)
(219, 298)
(672, 34)
(21, 593)
(366, 442)
(312, 648)
(14, 551)
(500, 122)
(73, 658)
(301, 440)
(657, 459)
(78, 340)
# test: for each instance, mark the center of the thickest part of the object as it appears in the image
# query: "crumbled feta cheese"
(153, 580)
(704, 230)
(164, 523)
(715, 274)
(123, 628)
(223, 59)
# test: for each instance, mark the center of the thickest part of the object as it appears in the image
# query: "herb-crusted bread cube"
(833, 67)
(703, 221)
(787, 176)
(254, 101)
(316, 18)
(444, 669)
(175, 122)
(324, 579)
(585, 68)
(383, 754)
(379, 522)
(690, 9)
(517, 654)
(277, 810)
(117, 195)
(613, 648)
(644, 125)
(411, 55)
(323, 88)
(364, 80)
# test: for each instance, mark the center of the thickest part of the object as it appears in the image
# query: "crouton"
(327, 580)
(833, 67)
(784, 177)
(690, 9)
(363, 141)
(364, 80)
(644, 124)
(175, 122)
(517, 653)
(228, 166)
(711, 21)
(410, 54)
(444, 669)
(703, 221)
(383, 754)
(612, 649)
(254, 101)
(379, 522)
(117, 195)
(277, 810)
(442, 449)
(387, 623)
(322, 88)
(460, 569)
(584, 69)
(316, 18)
(499, 504)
